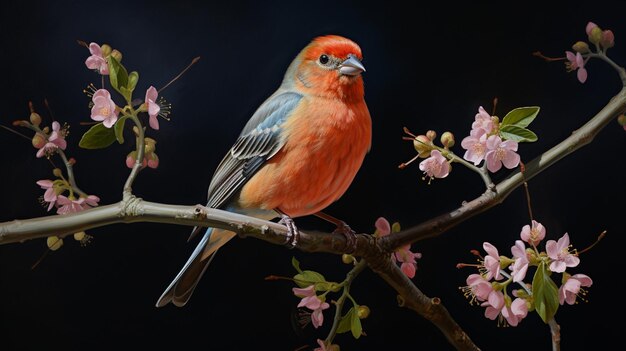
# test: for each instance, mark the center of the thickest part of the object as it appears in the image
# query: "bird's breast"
(325, 143)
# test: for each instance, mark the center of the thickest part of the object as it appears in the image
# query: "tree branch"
(579, 138)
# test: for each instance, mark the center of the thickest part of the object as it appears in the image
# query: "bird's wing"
(260, 140)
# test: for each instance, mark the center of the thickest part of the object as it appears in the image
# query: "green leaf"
(356, 327)
(296, 264)
(521, 116)
(97, 137)
(306, 278)
(545, 293)
(519, 134)
(117, 74)
(345, 323)
(133, 78)
(118, 127)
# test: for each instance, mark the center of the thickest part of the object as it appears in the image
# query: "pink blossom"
(515, 312)
(501, 152)
(590, 26)
(482, 121)
(608, 39)
(572, 286)
(482, 290)
(50, 196)
(560, 255)
(403, 254)
(494, 305)
(96, 60)
(476, 146)
(153, 107)
(492, 262)
(533, 235)
(436, 166)
(409, 265)
(311, 301)
(104, 108)
(383, 226)
(576, 62)
(521, 261)
(55, 140)
(70, 206)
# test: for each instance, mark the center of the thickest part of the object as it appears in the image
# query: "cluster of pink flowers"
(602, 39)
(53, 197)
(47, 145)
(489, 289)
(483, 143)
(404, 256)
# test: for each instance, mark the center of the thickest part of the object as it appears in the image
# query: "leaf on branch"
(118, 76)
(296, 264)
(545, 293)
(345, 323)
(521, 116)
(97, 137)
(356, 327)
(307, 278)
(519, 134)
(119, 129)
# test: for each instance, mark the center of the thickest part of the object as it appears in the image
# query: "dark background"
(426, 69)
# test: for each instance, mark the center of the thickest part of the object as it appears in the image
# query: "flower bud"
(71, 161)
(39, 141)
(608, 39)
(447, 139)
(621, 120)
(595, 36)
(581, 46)
(150, 145)
(334, 347)
(431, 134)
(117, 55)
(347, 259)
(131, 158)
(35, 119)
(505, 262)
(153, 160)
(57, 172)
(422, 145)
(363, 311)
(54, 242)
(79, 236)
(136, 130)
(106, 50)
(46, 130)
(590, 27)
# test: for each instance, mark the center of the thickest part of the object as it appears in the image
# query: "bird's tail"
(180, 290)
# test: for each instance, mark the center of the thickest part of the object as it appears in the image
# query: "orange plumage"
(297, 154)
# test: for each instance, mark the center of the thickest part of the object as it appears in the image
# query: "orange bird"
(297, 154)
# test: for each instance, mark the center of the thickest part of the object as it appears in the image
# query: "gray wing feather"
(260, 138)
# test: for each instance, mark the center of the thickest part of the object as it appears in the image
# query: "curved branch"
(579, 138)
(133, 209)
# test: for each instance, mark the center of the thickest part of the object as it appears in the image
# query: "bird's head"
(329, 66)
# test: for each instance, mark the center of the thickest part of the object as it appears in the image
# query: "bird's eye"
(324, 59)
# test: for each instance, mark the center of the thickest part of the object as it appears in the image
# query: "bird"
(296, 155)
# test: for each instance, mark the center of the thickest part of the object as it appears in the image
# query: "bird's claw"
(293, 234)
(344, 229)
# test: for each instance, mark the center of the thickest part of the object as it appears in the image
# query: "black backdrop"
(426, 69)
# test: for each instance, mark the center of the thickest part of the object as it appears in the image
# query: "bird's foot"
(293, 234)
(344, 229)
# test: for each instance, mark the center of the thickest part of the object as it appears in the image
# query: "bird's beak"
(351, 66)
